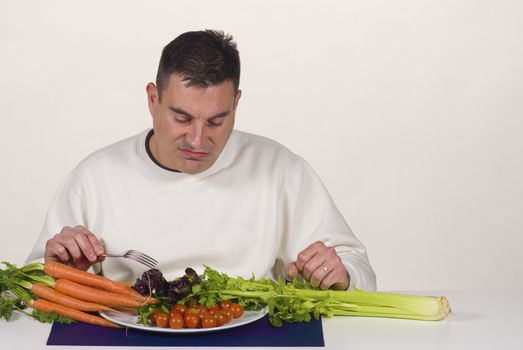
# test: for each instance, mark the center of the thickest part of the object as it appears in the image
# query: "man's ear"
(237, 98)
(152, 96)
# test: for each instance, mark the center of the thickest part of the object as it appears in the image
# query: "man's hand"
(321, 266)
(75, 246)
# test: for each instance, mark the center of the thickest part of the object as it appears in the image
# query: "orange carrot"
(93, 295)
(50, 294)
(58, 270)
(47, 306)
(124, 284)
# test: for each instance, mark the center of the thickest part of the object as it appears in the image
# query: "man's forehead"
(200, 102)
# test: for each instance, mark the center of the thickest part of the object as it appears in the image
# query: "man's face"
(191, 124)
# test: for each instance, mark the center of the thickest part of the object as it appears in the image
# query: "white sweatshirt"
(251, 212)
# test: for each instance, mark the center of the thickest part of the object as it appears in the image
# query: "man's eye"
(215, 122)
(182, 120)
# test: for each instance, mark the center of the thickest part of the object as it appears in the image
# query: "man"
(193, 191)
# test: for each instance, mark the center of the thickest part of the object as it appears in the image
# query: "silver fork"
(136, 256)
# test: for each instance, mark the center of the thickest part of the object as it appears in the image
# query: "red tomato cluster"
(192, 315)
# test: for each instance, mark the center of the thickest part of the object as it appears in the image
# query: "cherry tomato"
(181, 308)
(228, 314)
(220, 318)
(174, 312)
(225, 304)
(205, 314)
(152, 316)
(191, 320)
(162, 319)
(214, 309)
(237, 310)
(176, 321)
(208, 322)
(202, 309)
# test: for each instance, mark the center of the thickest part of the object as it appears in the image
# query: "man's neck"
(150, 147)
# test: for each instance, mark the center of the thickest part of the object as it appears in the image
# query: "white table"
(480, 320)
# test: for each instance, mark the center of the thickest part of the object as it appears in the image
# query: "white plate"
(127, 320)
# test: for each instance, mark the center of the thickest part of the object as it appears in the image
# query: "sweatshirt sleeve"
(66, 209)
(310, 215)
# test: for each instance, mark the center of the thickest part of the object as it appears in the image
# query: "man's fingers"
(75, 246)
(335, 279)
(86, 247)
(71, 244)
(97, 246)
(322, 267)
(55, 251)
(292, 270)
(322, 257)
(306, 255)
(89, 244)
(319, 275)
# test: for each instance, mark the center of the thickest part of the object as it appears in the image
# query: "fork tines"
(142, 258)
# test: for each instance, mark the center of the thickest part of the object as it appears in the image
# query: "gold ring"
(324, 268)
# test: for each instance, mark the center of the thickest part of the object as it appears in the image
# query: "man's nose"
(196, 135)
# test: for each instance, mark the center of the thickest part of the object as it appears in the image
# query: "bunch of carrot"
(70, 292)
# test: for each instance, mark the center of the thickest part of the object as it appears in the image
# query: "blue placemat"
(259, 333)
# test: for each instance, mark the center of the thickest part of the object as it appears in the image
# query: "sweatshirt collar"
(162, 171)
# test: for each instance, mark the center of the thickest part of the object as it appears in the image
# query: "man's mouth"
(192, 154)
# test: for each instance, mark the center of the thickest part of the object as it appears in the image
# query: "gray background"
(409, 111)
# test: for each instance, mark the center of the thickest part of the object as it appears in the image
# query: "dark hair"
(204, 58)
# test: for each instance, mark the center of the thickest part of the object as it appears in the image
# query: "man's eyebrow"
(220, 115)
(181, 111)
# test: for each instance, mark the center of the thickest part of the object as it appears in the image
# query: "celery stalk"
(296, 301)
(410, 304)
